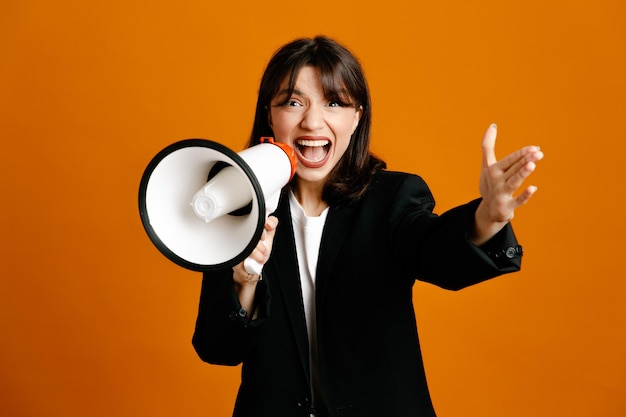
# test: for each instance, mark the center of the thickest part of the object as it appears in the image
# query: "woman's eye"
(334, 104)
(292, 103)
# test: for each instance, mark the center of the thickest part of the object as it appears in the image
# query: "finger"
(489, 145)
(270, 226)
(519, 171)
(261, 248)
(240, 271)
(259, 254)
(520, 157)
(241, 274)
(513, 180)
(525, 195)
(524, 167)
(271, 223)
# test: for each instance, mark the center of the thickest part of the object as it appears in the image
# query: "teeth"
(307, 142)
(313, 150)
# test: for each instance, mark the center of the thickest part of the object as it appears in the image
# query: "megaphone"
(204, 206)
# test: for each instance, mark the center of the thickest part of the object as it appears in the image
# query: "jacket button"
(303, 402)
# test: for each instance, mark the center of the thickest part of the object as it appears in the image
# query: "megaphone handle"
(252, 267)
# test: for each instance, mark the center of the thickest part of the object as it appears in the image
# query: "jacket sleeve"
(437, 249)
(224, 333)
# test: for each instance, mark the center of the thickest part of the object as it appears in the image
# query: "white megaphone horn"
(204, 206)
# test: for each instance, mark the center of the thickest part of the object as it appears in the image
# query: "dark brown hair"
(341, 73)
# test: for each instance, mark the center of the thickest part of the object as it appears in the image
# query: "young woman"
(329, 328)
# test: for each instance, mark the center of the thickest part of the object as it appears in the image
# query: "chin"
(313, 177)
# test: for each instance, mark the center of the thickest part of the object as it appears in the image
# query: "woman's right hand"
(245, 282)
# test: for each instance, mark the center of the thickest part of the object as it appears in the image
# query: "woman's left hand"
(499, 181)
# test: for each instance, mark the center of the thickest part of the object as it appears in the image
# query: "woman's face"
(317, 128)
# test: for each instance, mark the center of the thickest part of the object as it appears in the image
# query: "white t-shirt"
(308, 235)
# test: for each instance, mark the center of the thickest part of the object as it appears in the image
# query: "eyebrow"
(285, 91)
(342, 95)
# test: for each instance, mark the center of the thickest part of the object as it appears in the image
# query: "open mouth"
(312, 152)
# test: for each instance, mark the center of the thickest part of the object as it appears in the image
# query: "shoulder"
(394, 191)
(394, 183)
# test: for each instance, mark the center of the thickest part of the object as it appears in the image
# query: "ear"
(269, 116)
(357, 118)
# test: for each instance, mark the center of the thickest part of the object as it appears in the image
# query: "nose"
(312, 118)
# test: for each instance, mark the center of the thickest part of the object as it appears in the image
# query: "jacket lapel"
(336, 231)
(286, 273)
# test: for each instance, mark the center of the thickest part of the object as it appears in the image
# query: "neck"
(310, 198)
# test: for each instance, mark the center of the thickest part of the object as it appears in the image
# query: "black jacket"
(370, 255)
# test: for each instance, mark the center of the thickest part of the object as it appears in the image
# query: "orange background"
(96, 322)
